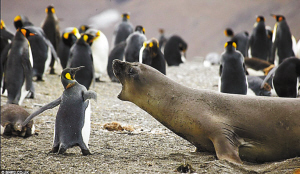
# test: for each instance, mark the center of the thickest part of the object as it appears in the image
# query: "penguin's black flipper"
(220, 70)
(27, 71)
(42, 109)
(89, 95)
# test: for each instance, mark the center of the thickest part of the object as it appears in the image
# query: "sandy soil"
(150, 148)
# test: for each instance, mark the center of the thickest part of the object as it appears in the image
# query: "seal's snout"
(117, 67)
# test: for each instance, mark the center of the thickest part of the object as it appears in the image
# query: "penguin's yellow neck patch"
(98, 33)
(23, 31)
(68, 76)
(70, 85)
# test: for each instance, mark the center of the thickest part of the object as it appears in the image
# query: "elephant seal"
(226, 124)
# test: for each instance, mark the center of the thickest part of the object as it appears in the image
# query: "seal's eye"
(131, 71)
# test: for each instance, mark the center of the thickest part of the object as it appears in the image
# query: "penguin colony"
(269, 59)
(84, 56)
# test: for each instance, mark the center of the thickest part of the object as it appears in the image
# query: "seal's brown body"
(256, 129)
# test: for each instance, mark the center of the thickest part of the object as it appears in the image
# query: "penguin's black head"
(161, 31)
(68, 76)
(50, 10)
(26, 32)
(69, 38)
(88, 38)
(260, 18)
(150, 51)
(140, 29)
(125, 16)
(278, 18)
(228, 32)
(230, 45)
(83, 28)
(18, 22)
(2, 24)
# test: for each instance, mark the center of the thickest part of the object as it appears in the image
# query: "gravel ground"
(150, 148)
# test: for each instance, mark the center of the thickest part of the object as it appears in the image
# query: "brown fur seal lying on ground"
(256, 129)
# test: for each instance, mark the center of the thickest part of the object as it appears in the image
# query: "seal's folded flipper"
(42, 109)
(89, 95)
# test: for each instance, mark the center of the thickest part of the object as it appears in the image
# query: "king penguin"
(42, 52)
(175, 51)
(282, 41)
(83, 28)
(18, 68)
(151, 55)
(68, 38)
(72, 124)
(241, 39)
(134, 43)
(162, 40)
(122, 30)
(258, 42)
(286, 78)
(116, 53)
(232, 71)
(81, 55)
(51, 29)
(100, 50)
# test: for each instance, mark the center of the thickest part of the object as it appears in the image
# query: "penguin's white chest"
(86, 129)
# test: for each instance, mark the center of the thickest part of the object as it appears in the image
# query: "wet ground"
(150, 148)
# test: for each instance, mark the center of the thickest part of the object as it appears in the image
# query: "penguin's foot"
(85, 152)
(39, 79)
(52, 71)
(54, 150)
(97, 80)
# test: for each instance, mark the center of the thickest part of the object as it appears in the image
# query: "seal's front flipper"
(89, 95)
(42, 109)
(226, 149)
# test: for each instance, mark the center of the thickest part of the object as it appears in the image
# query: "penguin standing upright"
(175, 50)
(69, 37)
(258, 42)
(134, 43)
(100, 50)
(51, 29)
(81, 55)
(12, 117)
(18, 68)
(122, 30)
(151, 55)
(282, 41)
(286, 78)
(72, 124)
(42, 52)
(241, 39)
(162, 40)
(232, 71)
(116, 53)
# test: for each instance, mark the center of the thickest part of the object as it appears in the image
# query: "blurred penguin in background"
(100, 50)
(81, 55)
(162, 40)
(258, 42)
(282, 47)
(241, 39)
(122, 30)
(68, 38)
(51, 29)
(134, 43)
(83, 28)
(175, 51)
(232, 71)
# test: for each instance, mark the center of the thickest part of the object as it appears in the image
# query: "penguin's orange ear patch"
(144, 30)
(151, 44)
(226, 44)
(68, 76)
(280, 19)
(66, 35)
(234, 44)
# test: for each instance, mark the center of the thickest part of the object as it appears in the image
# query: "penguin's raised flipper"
(89, 95)
(42, 109)
(270, 74)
